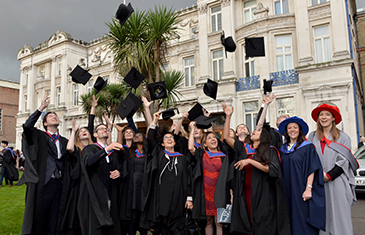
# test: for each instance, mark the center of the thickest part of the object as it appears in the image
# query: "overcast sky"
(33, 22)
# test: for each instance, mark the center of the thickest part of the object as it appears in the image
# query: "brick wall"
(9, 99)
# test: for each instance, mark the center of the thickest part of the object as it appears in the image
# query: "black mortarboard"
(210, 88)
(254, 47)
(169, 113)
(99, 84)
(203, 122)
(195, 112)
(129, 106)
(267, 86)
(5, 142)
(134, 78)
(228, 43)
(157, 90)
(123, 13)
(80, 75)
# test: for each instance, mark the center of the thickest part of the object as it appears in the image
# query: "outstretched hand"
(95, 101)
(108, 122)
(268, 99)
(45, 102)
(228, 111)
(146, 103)
(119, 128)
(74, 128)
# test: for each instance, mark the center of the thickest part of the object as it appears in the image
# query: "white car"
(360, 173)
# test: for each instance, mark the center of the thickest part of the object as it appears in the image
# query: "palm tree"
(173, 79)
(163, 27)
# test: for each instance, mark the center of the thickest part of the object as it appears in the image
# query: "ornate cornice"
(203, 8)
(226, 2)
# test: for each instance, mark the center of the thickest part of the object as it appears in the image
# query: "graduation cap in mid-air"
(267, 86)
(123, 13)
(204, 122)
(210, 88)
(80, 75)
(228, 43)
(129, 106)
(99, 84)
(254, 47)
(169, 113)
(157, 90)
(134, 78)
(195, 112)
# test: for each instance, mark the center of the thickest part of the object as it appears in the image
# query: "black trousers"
(50, 208)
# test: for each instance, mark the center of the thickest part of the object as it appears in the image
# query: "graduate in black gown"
(47, 175)
(99, 187)
(166, 187)
(303, 179)
(257, 190)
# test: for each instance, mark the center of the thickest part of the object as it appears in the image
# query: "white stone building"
(309, 45)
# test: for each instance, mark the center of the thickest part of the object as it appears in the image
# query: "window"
(26, 76)
(25, 103)
(193, 32)
(217, 64)
(249, 66)
(1, 117)
(58, 90)
(251, 110)
(90, 86)
(248, 8)
(285, 106)
(59, 65)
(76, 94)
(42, 70)
(315, 2)
(281, 7)
(189, 71)
(216, 19)
(284, 57)
(322, 44)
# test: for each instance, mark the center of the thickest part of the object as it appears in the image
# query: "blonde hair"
(77, 138)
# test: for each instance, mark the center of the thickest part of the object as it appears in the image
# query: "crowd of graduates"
(167, 181)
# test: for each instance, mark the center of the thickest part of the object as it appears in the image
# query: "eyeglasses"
(168, 137)
(102, 129)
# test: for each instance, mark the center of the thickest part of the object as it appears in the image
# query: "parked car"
(360, 173)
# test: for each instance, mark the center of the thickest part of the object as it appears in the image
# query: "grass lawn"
(12, 200)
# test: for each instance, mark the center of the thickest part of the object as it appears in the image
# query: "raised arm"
(191, 137)
(266, 101)
(152, 137)
(109, 126)
(179, 123)
(146, 105)
(120, 132)
(230, 141)
(71, 141)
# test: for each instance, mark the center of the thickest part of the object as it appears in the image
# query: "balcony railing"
(286, 77)
(248, 83)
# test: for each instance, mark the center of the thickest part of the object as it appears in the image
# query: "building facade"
(360, 31)
(9, 99)
(310, 48)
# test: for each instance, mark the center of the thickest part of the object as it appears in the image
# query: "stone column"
(228, 18)
(53, 83)
(21, 84)
(340, 35)
(32, 102)
(64, 74)
(203, 42)
(303, 29)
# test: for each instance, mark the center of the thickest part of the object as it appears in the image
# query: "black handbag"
(191, 226)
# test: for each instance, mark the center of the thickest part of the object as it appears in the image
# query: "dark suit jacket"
(360, 144)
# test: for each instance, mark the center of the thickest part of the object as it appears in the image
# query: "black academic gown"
(34, 145)
(95, 216)
(268, 203)
(151, 190)
(9, 163)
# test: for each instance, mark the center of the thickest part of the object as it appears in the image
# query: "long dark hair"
(262, 151)
(162, 131)
(133, 147)
(127, 128)
(301, 137)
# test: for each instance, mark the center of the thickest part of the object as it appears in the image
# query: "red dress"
(211, 168)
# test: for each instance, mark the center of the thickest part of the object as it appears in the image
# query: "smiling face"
(211, 142)
(256, 135)
(83, 134)
(168, 141)
(198, 133)
(326, 119)
(101, 132)
(242, 130)
(128, 134)
(138, 138)
(51, 119)
(293, 130)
